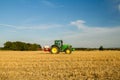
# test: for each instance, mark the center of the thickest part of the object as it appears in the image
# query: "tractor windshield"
(59, 43)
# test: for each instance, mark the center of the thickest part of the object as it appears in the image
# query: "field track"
(39, 65)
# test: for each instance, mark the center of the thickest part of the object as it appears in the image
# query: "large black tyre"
(54, 50)
(68, 51)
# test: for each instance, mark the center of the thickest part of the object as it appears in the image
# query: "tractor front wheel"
(68, 51)
(54, 50)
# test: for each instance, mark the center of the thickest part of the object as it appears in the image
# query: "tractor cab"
(58, 43)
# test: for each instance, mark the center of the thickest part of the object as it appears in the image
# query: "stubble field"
(80, 65)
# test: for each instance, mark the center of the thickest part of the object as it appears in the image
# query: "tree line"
(101, 48)
(20, 46)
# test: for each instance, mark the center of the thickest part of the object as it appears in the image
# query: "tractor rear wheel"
(54, 50)
(68, 51)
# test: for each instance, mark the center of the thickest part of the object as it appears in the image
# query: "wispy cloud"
(119, 7)
(116, 4)
(84, 36)
(80, 24)
(51, 4)
(48, 3)
(38, 27)
(93, 36)
(7, 25)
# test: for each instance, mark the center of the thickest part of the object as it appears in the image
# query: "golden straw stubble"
(39, 65)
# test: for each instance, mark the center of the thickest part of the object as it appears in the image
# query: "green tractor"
(60, 47)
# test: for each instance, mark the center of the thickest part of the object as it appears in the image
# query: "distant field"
(80, 65)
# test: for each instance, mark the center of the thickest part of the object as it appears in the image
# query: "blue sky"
(82, 23)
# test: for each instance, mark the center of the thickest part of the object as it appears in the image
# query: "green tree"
(22, 46)
(7, 45)
(101, 48)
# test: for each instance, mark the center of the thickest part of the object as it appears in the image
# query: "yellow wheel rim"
(54, 50)
(68, 51)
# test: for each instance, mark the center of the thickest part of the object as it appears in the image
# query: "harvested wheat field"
(80, 65)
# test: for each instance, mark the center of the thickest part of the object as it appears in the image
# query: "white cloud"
(116, 4)
(93, 36)
(119, 7)
(48, 3)
(38, 27)
(51, 4)
(7, 25)
(79, 23)
(84, 36)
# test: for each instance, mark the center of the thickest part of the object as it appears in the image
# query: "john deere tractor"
(60, 47)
